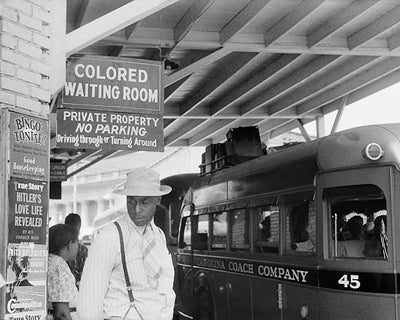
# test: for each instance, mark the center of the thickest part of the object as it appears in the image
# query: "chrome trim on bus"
(185, 265)
(184, 315)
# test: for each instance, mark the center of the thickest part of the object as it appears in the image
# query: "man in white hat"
(103, 290)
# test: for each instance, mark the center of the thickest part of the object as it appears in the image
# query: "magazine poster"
(28, 211)
(26, 282)
(29, 146)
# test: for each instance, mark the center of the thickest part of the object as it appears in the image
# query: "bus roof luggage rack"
(213, 158)
(243, 144)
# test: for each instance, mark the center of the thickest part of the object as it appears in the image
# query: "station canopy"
(276, 64)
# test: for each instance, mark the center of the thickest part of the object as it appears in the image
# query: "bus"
(304, 232)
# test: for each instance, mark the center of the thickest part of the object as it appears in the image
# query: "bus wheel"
(204, 306)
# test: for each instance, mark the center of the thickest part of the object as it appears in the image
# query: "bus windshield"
(358, 222)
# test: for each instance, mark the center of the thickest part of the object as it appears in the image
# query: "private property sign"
(109, 130)
(128, 85)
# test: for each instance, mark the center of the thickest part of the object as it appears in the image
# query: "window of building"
(201, 232)
(300, 227)
(220, 230)
(267, 238)
(240, 230)
(358, 222)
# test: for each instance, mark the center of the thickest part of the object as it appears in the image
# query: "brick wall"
(240, 229)
(24, 55)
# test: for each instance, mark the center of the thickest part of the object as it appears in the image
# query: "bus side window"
(358, 221)
(267, 239)
(201, 232)
(160, 218)
(173, 214)
(240, 230)
(301, 227)
(219, 231)
(186, 237)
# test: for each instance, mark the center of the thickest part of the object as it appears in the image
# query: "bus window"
(200, 239)
(301, 227)
(186, 237)
(267, 239)
(358, 222)
(240, 230)
(160, 217)
(173, 214)
(220, 230)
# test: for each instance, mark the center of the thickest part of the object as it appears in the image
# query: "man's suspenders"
(127, 280)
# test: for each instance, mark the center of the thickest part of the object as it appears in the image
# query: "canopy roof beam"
(339, 114)
(189, 19)
(242, 19)
(303, 130)
(112, 22)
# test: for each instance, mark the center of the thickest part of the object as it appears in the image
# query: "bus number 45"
(351, 281)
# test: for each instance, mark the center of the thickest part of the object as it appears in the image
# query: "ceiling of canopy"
(275, 64)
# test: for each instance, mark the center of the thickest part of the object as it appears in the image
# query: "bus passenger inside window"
(376, 239)
(358, 222)
(267, 228)
(301, 226)
(353, 243)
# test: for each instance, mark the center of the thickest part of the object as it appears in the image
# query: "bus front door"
(357, 270)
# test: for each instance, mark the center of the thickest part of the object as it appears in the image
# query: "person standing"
(76, 265)
(62, 293)
(103, 291)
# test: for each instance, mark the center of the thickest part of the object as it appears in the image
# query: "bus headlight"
(304, 311)
(372, 151)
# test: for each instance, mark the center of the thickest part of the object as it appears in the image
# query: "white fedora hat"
(142, 182)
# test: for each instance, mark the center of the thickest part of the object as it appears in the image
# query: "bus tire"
(204, 306)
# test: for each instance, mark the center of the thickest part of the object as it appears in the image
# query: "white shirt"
(103, 293)
(351, 248)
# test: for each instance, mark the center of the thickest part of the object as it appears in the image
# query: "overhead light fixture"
(170, 65)
(164, 57)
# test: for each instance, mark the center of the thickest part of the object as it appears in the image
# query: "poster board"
(25, 157)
